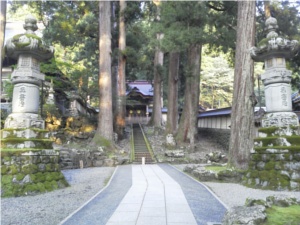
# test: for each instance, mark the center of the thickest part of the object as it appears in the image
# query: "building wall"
(217, 122)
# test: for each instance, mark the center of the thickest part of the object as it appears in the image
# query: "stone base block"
(280, 119)
(274, 169)
(24, 120)
(25, 133)
(30, 172)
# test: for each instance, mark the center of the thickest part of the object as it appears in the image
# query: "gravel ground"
(236, 194)
(52, 207)
(239, 193)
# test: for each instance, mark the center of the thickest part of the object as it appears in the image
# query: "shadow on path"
(204, 205)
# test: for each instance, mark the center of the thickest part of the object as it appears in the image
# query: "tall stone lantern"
(29, 50)
(273, 51)
(275, 159)
(29, 164)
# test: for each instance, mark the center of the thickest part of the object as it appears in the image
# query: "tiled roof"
(144, 87)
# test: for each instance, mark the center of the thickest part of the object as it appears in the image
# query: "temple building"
(139, 98)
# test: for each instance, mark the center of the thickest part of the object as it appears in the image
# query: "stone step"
(140, 147)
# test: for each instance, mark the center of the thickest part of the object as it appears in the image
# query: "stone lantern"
(273, 51)
(29, 50)
(275, 159)
(29, 163)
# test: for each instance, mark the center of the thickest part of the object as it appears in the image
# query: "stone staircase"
(140, 147)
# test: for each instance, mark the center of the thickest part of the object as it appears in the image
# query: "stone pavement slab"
(158, 193)
(205, 205)
(150, 194)
(99, 209)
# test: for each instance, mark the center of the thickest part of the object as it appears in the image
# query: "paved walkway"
(155, 195)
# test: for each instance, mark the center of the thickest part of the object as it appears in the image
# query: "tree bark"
(121, 100)
(172, 116)
(2, 30)
(188, 121)
(156, 117)
(105, 120)
(242, 115)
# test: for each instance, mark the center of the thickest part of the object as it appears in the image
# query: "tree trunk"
(2, 30)
(114, 61)
(188, 121)
(121, 102)
(172, 116)
(156, 117)
(242, 125)
(105, 120)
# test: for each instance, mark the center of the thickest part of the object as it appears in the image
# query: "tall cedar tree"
(105, 120)
(242, 126)
(172, 116)
(121, 79)
(2, 30)
(156, 116)
(188, 121)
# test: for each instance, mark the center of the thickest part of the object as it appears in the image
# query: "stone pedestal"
(30, 172)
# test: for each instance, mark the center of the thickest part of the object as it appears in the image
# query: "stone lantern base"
(280, 119)
(21, 120)
(29, 164)
(275, 159)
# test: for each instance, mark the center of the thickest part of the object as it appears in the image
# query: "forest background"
(159, 37)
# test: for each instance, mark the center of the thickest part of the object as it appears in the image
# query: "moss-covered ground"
(215, 168)
(283, 215)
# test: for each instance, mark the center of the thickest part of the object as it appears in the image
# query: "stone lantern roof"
(29, 43)
(273, 45)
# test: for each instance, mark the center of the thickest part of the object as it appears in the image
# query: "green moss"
(294, 140)
(270, 165)
(49, 167)
(33, 178)
(7, 158)
(283, 215)
(54, 185)
(254, 174)
(5, 152)
(264, 175)
(31, 189)
(292, 149)
(29, 168)
(39, 177)
(56, 167)
(48, 186)
(13, 169)
(284, 183)
(256, 157)
(216, 168)
(272, 185)
(263, 42)
(269, 131)
(20, 176)
(40, 187)
(4, 169)
(49, 176)
(6, 179)
(39, 143)
(16, 38)
(266, 141)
